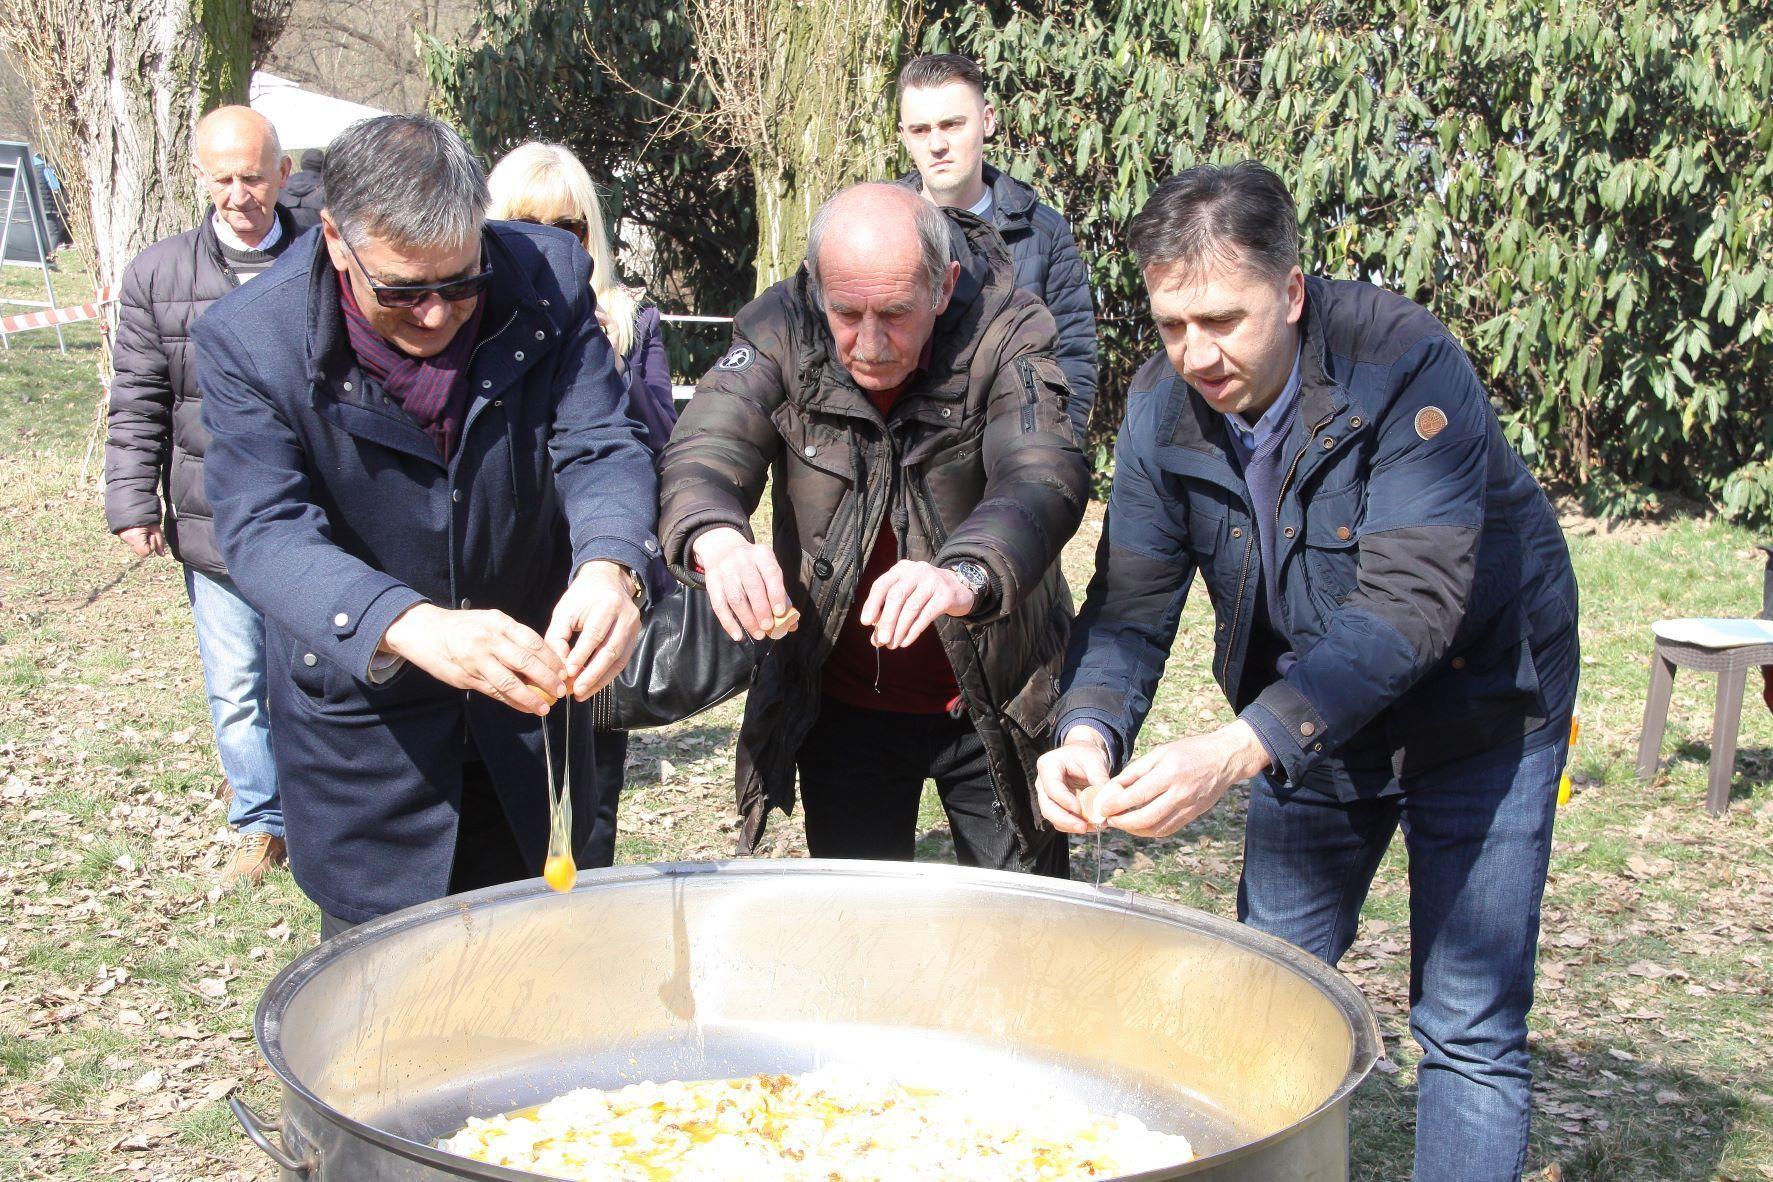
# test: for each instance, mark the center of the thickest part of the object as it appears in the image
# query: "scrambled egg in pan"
(829, 1125)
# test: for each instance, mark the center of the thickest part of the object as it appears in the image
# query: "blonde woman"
(545, 184)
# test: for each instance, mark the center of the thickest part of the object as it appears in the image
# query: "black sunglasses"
(574, 226)
(411, 295)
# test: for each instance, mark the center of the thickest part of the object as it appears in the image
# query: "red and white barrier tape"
(51, 317)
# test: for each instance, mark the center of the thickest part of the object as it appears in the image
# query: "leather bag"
(683, 664)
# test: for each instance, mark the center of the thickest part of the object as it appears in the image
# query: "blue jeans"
(1478, 834)
(231, 641)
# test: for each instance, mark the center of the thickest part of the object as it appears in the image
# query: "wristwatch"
(976, 577)
(636, 587)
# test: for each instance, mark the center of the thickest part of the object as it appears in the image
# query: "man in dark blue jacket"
(944, 120)
(1396, 627)
(423, 475)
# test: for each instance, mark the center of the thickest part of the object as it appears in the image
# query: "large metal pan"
(391, 1035)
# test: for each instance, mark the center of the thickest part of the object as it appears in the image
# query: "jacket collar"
(212, 243)
(1320, 395)
(1011, 200)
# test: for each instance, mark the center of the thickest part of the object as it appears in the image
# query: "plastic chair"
(1729, 648)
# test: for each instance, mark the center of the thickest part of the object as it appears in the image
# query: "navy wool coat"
(336, 513)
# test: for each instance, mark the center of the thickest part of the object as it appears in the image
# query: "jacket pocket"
(526, 455)
(1331, 551)
(1206, 529)
(823, 447)
(1043, 394)
(308, 673)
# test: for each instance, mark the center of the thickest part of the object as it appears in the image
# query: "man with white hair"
(424, 476)
(904, 398)
(154, 499)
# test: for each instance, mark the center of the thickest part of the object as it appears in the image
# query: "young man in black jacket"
(944, 120)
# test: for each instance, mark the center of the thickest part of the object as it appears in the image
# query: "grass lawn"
(128, 979)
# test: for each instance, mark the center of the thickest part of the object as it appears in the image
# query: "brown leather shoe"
(254, 857)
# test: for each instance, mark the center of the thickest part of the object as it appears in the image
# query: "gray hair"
(932, 239)
(1240, 214)
(408, 180)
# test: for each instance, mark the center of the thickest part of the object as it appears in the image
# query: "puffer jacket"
(1424, 582)
(1049, 266)
(975, 460)
(304, 192)
(154, 449)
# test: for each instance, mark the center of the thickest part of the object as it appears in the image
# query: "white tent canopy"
(303, 119)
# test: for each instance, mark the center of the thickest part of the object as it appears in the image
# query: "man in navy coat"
(424, 476)
(1396, 627)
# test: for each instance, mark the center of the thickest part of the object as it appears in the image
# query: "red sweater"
(913, 680)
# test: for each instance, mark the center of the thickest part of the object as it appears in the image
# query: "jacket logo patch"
(1430, 421)
(737, 358)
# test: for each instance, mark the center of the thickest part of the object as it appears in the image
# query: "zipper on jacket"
(1237, 607)
(1281, 496)
(901, 526)
(847, 554)
(1030, 396)
(932, 523)
(1287, 481)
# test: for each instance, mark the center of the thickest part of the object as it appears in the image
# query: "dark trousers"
(1479, 837)
(862, 773)
(486, 854)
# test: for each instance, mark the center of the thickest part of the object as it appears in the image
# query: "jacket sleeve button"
(540, 335)
(309, 658)
(1343, 533)
(1458, 662)
(809, 451)
(1289, 531)
(519, 354)
(1329, 442)
(340, 620)
(1307, 729)
(1355, 422)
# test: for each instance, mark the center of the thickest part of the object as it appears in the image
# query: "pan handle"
(259, 1131)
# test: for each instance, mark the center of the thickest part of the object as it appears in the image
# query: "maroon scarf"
(433, 390)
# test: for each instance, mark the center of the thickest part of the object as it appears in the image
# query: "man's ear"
(949, 279)
(335, 242)
(989, 120)
(1295, 295)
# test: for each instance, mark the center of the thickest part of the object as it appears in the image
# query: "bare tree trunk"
(118, 85)
(803, 88)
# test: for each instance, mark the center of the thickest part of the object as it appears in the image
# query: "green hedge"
(616, 84)
(1581, 191)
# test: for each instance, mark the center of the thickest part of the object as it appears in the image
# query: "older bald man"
(154, 499)
(905, 398)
